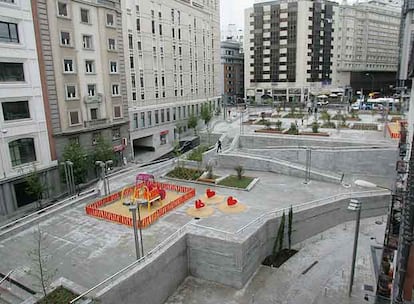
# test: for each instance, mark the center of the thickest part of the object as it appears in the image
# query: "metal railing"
(44, 212)
(6, 277)
(153, 253)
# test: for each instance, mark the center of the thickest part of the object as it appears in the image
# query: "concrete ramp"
(254, 162)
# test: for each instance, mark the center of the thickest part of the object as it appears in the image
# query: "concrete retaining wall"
(252, 142)
(355, 161)
(262, 164)
(152, 283)
(234, 263)
(227, 262)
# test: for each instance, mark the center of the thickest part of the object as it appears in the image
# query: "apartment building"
(232, 70)
(289, 49)
(173, 55)
(367, 46)
(24, 142)
(82, 57)
(405, 43)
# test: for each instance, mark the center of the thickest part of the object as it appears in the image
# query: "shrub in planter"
(267, 124)
(293, 130)
(315, 127)
(278, 125)
(239, 170)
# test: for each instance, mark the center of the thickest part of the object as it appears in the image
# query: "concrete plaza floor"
(325, 283)
(86, 250)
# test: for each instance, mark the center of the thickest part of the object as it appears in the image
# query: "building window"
(116, 134)
(74, 118)
(70, 91)
(162, 115)
(174, 113)
(62, 9)
(84, 15)
(153, 26)
(68, 65)
(163, 139)
(138, 25)
(110, 20)
(113, 67)
(142, 119)
(133, 80)
(15, 110)
(89, 66)
(65, 38)
(87, 42)
(168, 114)
(117, 112)
(111, 44)
(157, 119)
(130, 42)
(22, 151)
(149, 118)
(94, 113)
(131, 62)
(91, 90)
(135, 120)
(134, 96)
(160, 28)
(139, 46)
(95, 137)
(8, 32)
(115, 90)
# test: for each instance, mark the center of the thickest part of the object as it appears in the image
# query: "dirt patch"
(278, 259)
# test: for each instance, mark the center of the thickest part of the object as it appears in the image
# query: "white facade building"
(367, 42)
(24, 142)
(173, 55)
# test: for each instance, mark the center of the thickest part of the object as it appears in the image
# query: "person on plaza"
(218, 146)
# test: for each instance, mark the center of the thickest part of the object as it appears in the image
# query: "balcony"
(95, 123)
(93, 99)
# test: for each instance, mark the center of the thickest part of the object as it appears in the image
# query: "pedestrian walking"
(218, 146)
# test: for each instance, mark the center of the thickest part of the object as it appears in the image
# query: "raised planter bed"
(365, 126)
(233, 181)
(314, 134)
(268, 131)
(295, 115)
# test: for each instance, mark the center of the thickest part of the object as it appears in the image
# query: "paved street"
(325, 283)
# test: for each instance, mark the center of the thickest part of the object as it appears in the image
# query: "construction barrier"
(93, 208)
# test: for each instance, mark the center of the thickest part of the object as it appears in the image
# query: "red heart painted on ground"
(231, 201)
(210, 193)
(199, 204)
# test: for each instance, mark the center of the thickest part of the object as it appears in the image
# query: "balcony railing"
(93, 99)
(95, 122)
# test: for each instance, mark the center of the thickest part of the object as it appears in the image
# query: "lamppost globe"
(364, 183)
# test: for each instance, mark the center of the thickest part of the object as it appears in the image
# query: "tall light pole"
(354, 205)
(3, 133)
(133, 209)
(105, 166)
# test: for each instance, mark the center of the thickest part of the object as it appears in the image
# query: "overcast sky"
(232, 11)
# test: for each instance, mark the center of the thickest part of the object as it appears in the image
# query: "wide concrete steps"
(254, 162)
(7, 297)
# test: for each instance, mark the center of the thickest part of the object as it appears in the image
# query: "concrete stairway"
(254, 162)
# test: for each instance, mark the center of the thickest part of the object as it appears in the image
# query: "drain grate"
(368, 287)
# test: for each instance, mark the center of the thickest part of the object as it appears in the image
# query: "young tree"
(75, 153)
(206, 114)
(103, 150)
(239, 171)
(192, 123)
(290, 219)
(282, 231)
(35, 186)
(41, 274)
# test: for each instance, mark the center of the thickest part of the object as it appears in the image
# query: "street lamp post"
(105, 165)
(3, 132)
(133, 209)
(354, 205)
